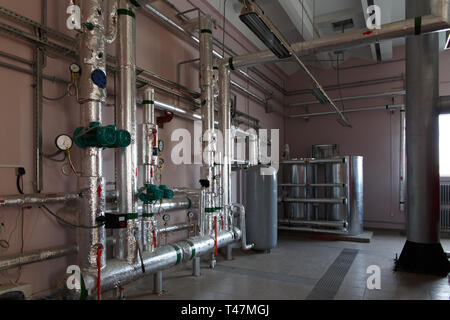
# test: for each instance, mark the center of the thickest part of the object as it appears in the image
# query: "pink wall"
(158, 50)
(375, 134)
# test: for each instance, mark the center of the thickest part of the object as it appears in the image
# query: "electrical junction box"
(15, 292)
(115, 221)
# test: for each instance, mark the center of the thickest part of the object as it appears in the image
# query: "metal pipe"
(313, 161)
(208, 124)
(355, 194)
(357, 84)
(243, 229)
(92, 57)
(312, 185)
(315, 200)
(366, 96)
(318, 114)
(39, 58)
(438, 20)
(253, 144)
(155, 13)
(329, 224)
(196, 267)
(225, 128)
(15, 261)
(175, 204)
(149, 162)
(118, 273)
(313, 230)
(23, 200)
(126, 158)
(176, 227)
(158, 283)
(111, 21)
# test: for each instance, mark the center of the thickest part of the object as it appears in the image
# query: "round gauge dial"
(166, 217)
(75, 68)
(160, 146)
(63, 142)
(190, 214)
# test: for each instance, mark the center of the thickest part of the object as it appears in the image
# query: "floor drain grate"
(327, 287)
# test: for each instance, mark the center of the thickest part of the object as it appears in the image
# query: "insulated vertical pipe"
(206, 85)
(225, 127)
(423, 251)
(149, 140)
(91, 97)
(126, 158)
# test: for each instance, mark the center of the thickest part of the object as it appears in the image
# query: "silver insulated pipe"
(207, 101)
(91, 96)
(422, 252)
(126, 158)
(225, 127)
(119, 273)
(150, 162)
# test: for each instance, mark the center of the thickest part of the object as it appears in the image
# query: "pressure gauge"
(74, 68)
(190, 215)
(160, 146)
(166, 217)
(63, 142)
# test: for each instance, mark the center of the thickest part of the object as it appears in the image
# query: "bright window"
(444, 145)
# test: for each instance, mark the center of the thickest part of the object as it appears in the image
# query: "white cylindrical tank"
(261, 207)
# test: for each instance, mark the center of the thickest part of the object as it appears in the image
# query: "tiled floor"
(293, 269)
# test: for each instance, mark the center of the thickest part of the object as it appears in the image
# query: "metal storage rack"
(323, 195)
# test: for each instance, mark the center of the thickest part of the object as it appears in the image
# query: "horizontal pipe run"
(36, 199)
(315, 200)
(14, 261)
(363, 109)
(328, 224)
(170, 90)
(166, 205)
(118, 272)
(313, 185)
(430, 23)
(313, 161)
(367, 96)
(312, 230)
(347, 85)
(154, 12)
(176, 227)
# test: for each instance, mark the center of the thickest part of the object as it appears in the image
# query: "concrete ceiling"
(300, 20)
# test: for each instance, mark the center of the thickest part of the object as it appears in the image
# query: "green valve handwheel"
(123, 139)
(168, 194)
(106, 136)
(101, 137)
(151, 193)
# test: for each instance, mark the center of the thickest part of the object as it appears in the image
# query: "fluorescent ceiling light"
(261, 26)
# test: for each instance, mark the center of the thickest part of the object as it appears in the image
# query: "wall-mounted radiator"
(445, 207)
